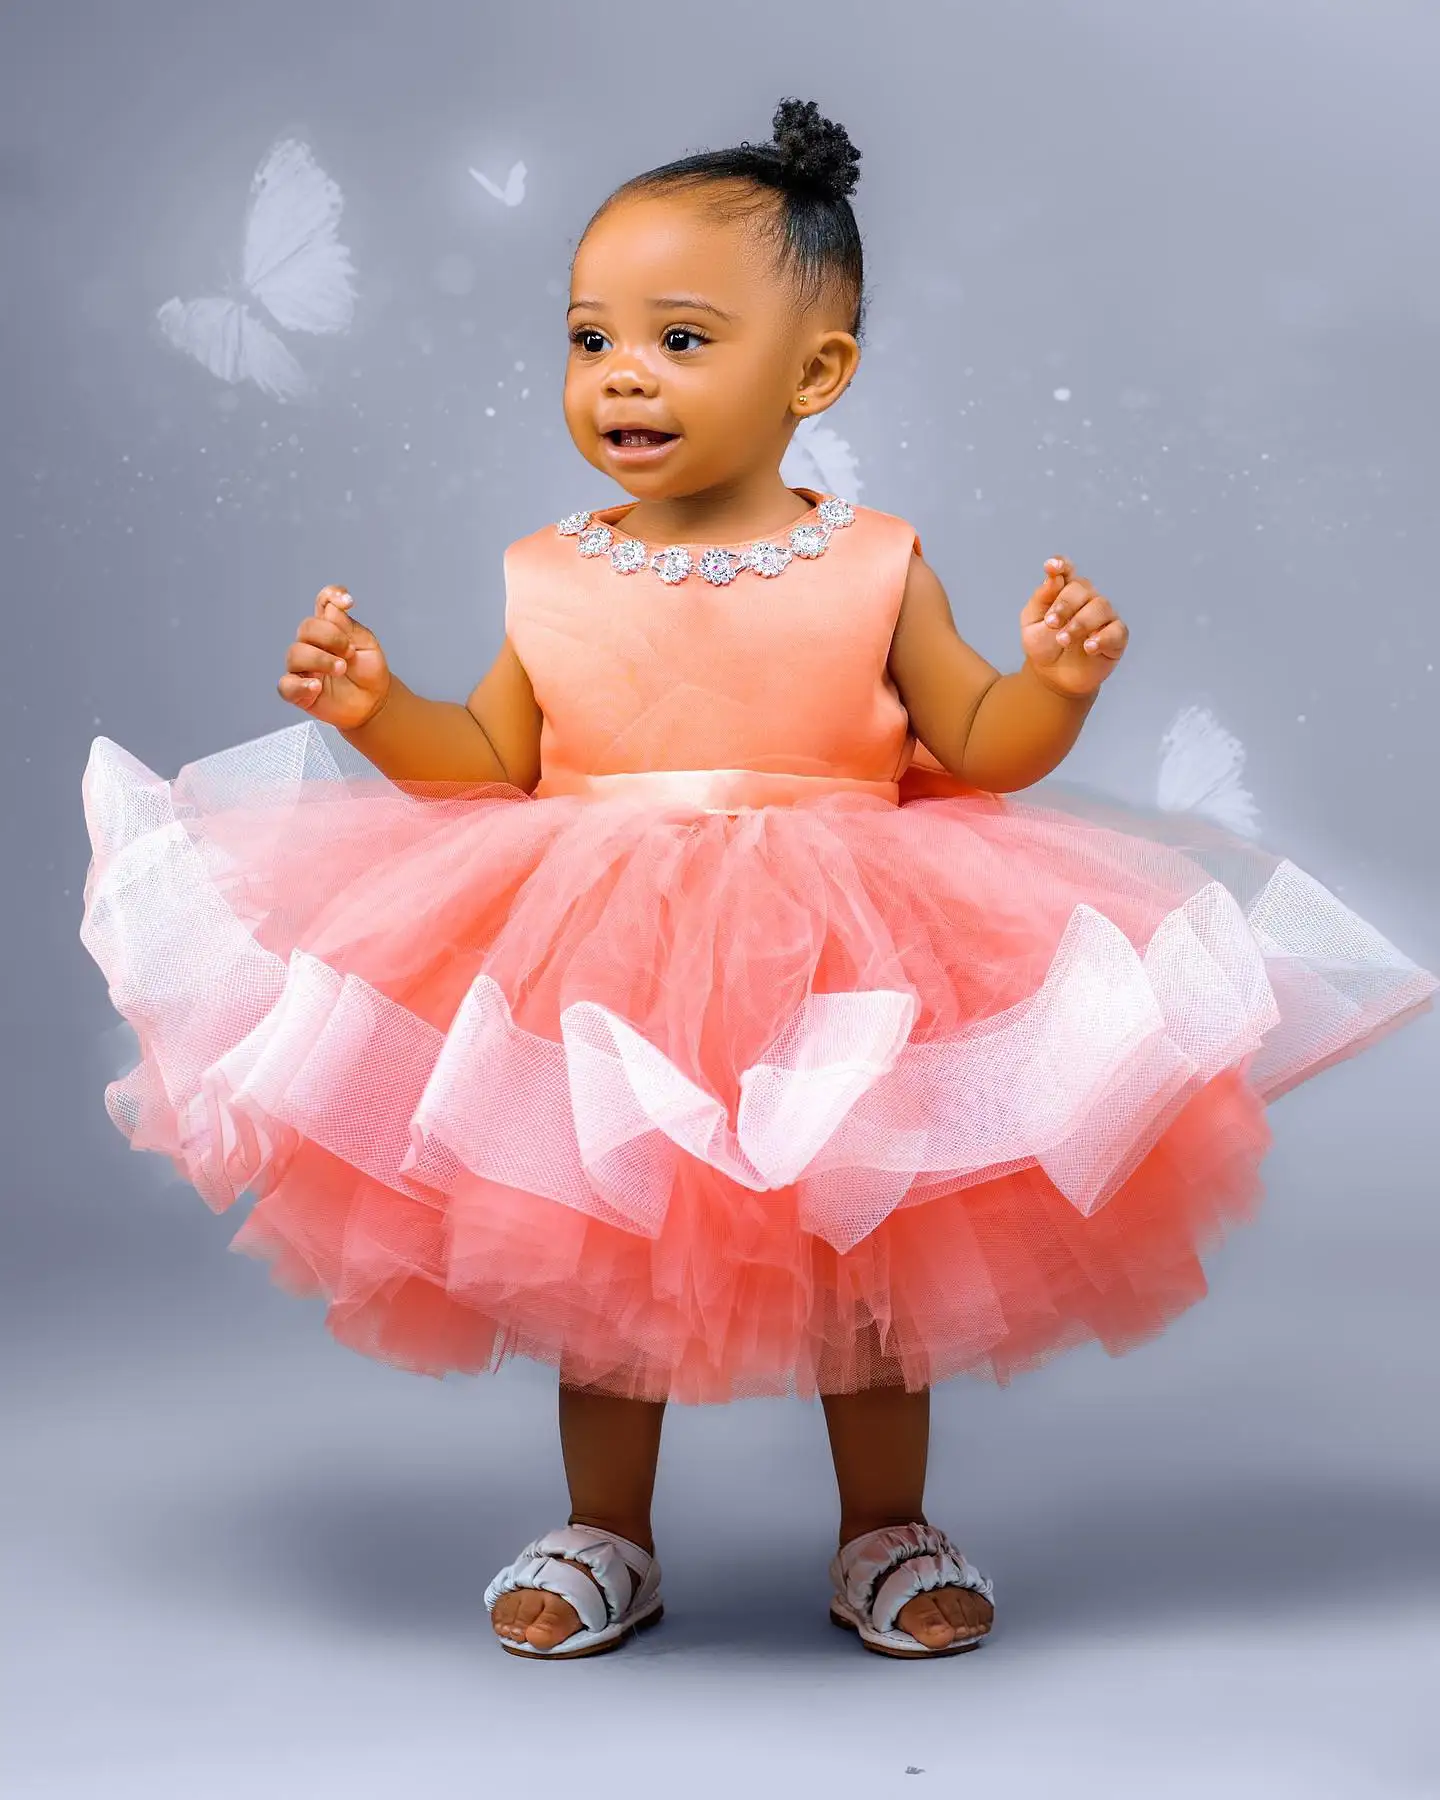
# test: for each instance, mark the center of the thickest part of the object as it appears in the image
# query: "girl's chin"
(647, 476)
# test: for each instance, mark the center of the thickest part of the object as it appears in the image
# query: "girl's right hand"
(335, 669)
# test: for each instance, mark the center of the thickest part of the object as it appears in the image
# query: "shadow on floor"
(413, 1557)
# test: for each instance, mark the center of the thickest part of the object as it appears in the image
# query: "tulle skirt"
(697, 1104)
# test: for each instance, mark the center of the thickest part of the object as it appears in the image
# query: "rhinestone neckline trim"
(718, 566)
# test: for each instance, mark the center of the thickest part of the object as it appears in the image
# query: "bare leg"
(880, 1441)
(611, 1448)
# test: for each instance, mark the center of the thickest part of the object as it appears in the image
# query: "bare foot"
(543, 1619)
(946, 1616)
(531, 1616)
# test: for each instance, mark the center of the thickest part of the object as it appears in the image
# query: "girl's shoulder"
(543, 536)
(895, 536)
(891, 523)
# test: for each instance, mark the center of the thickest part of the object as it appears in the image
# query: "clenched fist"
(335, 670)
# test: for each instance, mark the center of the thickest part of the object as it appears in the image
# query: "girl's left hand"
(1073, 637)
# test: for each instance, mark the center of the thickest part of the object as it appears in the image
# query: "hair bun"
(815, 153)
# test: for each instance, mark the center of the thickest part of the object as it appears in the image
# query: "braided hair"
(811, 167)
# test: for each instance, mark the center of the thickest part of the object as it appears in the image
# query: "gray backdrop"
(249, 1562)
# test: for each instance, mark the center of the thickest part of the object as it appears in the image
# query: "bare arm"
(494, 736)
(996, 732)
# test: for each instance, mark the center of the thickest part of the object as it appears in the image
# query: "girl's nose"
(628, 375)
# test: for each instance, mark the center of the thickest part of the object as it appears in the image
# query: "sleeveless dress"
(750, 1054)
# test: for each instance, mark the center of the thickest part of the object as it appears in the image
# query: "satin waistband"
(712, 790)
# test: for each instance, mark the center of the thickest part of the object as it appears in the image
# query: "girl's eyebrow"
(665, 303)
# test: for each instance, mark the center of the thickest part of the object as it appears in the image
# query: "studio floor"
(245, 1561)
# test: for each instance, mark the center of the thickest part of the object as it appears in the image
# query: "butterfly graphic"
(513, 191)
(820, 458)
(295, 267)
(1200, 767)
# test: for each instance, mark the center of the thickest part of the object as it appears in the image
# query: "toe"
(532, 1617)
(967, 1613)
(925, 1622)
(502, 1617)
(557, 1620)
(946, 1616)
(516, 1613)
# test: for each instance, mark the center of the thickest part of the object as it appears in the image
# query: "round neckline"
(628, 506)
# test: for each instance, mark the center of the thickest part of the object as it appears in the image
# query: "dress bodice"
(781, 676)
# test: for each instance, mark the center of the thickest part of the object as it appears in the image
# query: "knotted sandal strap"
(880, 1573)
(619, 1568)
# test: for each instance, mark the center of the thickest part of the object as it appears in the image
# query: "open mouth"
(640, 440)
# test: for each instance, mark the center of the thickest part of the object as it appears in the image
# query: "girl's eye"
(678, 339)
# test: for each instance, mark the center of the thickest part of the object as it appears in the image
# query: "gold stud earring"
(802, 398)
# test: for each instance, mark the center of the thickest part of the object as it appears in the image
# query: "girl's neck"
(737, 512)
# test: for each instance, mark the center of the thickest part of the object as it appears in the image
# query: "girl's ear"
(829, 368)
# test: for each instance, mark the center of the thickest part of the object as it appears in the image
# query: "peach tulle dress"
(751, 1054)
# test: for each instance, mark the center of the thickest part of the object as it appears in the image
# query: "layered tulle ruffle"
(696, 1103)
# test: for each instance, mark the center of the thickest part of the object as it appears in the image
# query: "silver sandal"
(877, 1575)
(623, 1598)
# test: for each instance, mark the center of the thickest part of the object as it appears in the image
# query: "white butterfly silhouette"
(294, 266)
(513, 191)
(1200, 768)
(820, 458)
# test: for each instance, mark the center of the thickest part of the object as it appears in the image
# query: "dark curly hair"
(812, 166)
